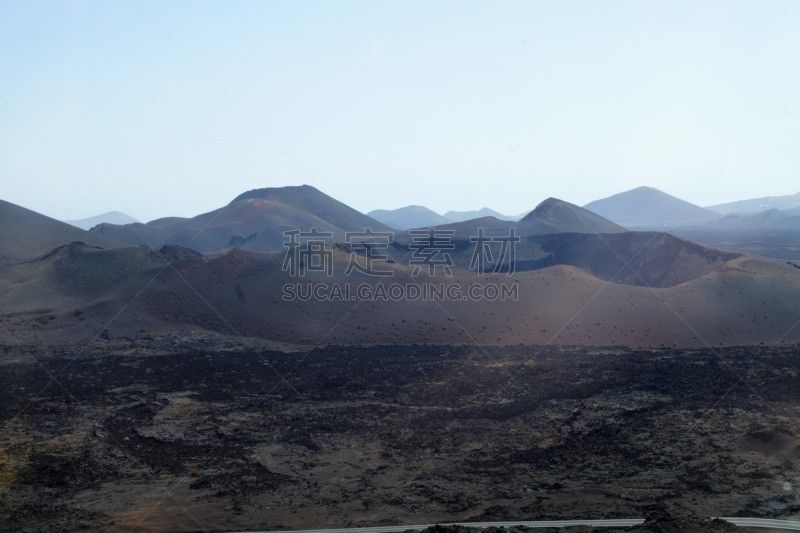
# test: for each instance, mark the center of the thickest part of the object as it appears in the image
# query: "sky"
(174, 108)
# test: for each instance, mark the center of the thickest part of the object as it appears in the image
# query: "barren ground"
(197, 439)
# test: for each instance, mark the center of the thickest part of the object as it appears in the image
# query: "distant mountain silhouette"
(417, 216)
(112, 217)
(412, 216)
(25, 234)
(758, 205)
(549, 217)
(461, 216)
(772, 219)
(254, 220)
(468, 228)
(649, 208)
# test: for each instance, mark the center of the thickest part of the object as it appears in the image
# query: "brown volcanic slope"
(25, 234)
(254, 220)
(73, 293)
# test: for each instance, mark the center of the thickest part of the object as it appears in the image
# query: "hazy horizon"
(365, 211)
(158, 109)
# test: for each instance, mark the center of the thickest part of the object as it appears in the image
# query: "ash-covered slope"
(76, 292)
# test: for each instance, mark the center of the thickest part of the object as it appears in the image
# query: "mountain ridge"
(650, 208)
(752, 206)
(254, 220)
(410, 216)
(25, 234)
(111, 217)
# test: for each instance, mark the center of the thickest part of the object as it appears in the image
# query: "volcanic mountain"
(71, 293)
(771, 219)
(559, 233)
(650, 259)
(608, 285)
(649, 208)
(412, 216)
(549, 217)
(25, 234)
(254, 220)
(752, 206)
(772, 233)
(565, 217)
(112, 217)
(461, 216)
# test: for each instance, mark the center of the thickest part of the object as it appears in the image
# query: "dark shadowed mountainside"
(25, 234)
(649, 259)
(634, 258)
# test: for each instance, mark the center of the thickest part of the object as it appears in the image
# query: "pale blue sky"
(173, 108)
